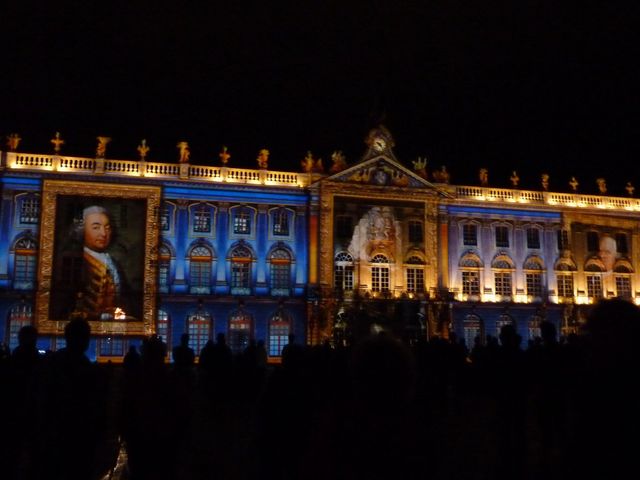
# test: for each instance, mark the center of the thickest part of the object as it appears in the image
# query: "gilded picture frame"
(117, 296)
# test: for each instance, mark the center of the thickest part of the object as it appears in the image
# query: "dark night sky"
(531, 85)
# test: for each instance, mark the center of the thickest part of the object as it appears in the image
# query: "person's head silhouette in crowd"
(77, 334)
(509, 338)
(27, 337)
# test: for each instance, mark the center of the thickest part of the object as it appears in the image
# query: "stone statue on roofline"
(307, 162)
(442, 175)
(263, 159)
(13, 141)
(544, 180)
(338, 162)
(143, 149)
(573, 183)
(515, 179)
(224, 156)
(420, 167)
(483, 176)
(183, 149)
(602, 185)
(57, 143)
(101, 149)
(630, 189)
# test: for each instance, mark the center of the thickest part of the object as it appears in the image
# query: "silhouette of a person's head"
(77, 334)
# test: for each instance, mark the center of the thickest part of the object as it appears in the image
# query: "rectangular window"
(565, 285)
(343, 277)
(344, 226)
(593, 244)
(621, 243)
(25, 269)
(240, 275)
(623, 287)
(563, 240)
(281, 222)
(165, 219)
(533, 238)
(278, 338)
(200, 274)
(470, 235)
(415, 231)
(471, 283)
(30, 210)
(415, 280)
(534, 284)
(242, 223)
(502, 237)
(163, 275)
(280, 278)
(379, 279)
(198, 333)
(202, 220)
(111, 346)
(594, 286)
(503, 283)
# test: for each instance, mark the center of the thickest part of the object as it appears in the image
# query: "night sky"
(530, 85)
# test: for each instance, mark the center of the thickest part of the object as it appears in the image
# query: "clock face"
(379, 144)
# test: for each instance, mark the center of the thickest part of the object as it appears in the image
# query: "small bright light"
(119, 314)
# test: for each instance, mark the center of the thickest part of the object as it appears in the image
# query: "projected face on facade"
(607, 252)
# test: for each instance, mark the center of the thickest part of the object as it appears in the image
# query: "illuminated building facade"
(260, 254)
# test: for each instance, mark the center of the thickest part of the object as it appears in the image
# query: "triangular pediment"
(381, 171)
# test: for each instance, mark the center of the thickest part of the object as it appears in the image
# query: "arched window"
(280, 261)
(199, 328)
(379, 273)
(343, 271)
(20, 316)
(240, 330)
(470, 264)
(502, 275)
(200, 259)
(164, 268)
(279, 330)
(533, 267)
(24, 270)
(241, 259)
(473, 329)
(163, 327)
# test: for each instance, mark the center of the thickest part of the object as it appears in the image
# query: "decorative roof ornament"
(143, 149)
(442, 175)
(263, 159)
(224, 156)
(101, 149)
(338, 162)
(515, 179)
(573, 183)
(307, 162)
(13, 140)
(183, 149)
(420, 167)
(544, 180)
(602, 185)
(483, 176)
(57, 143)
(630, 189)
(379, 140)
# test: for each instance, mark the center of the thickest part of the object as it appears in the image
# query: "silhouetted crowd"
(379, 409)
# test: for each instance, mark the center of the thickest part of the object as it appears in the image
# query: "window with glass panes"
(472, 326)
(162, 326)
(563, 240)
(19, 316)
(534, 326)
(593, 244)
(470, 234)
(280, 220)
(202, 219)
(533, 238)
(416, 231)
(343, 271)
(24, 272)
(502, 237)
(503, 283)
(199, 327)
(240, 325)
(280, 272)
(200, 267)
(415, 279)
(379, 274)
(621, 243)
(279, 329)
(534, 284)
(164, 265)
(30, 209)
(471, 283)
(242, 222)
(623, 286)
(111, 346)
(241, 270)
(594, 286)
(565, 285)
(165, 218)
